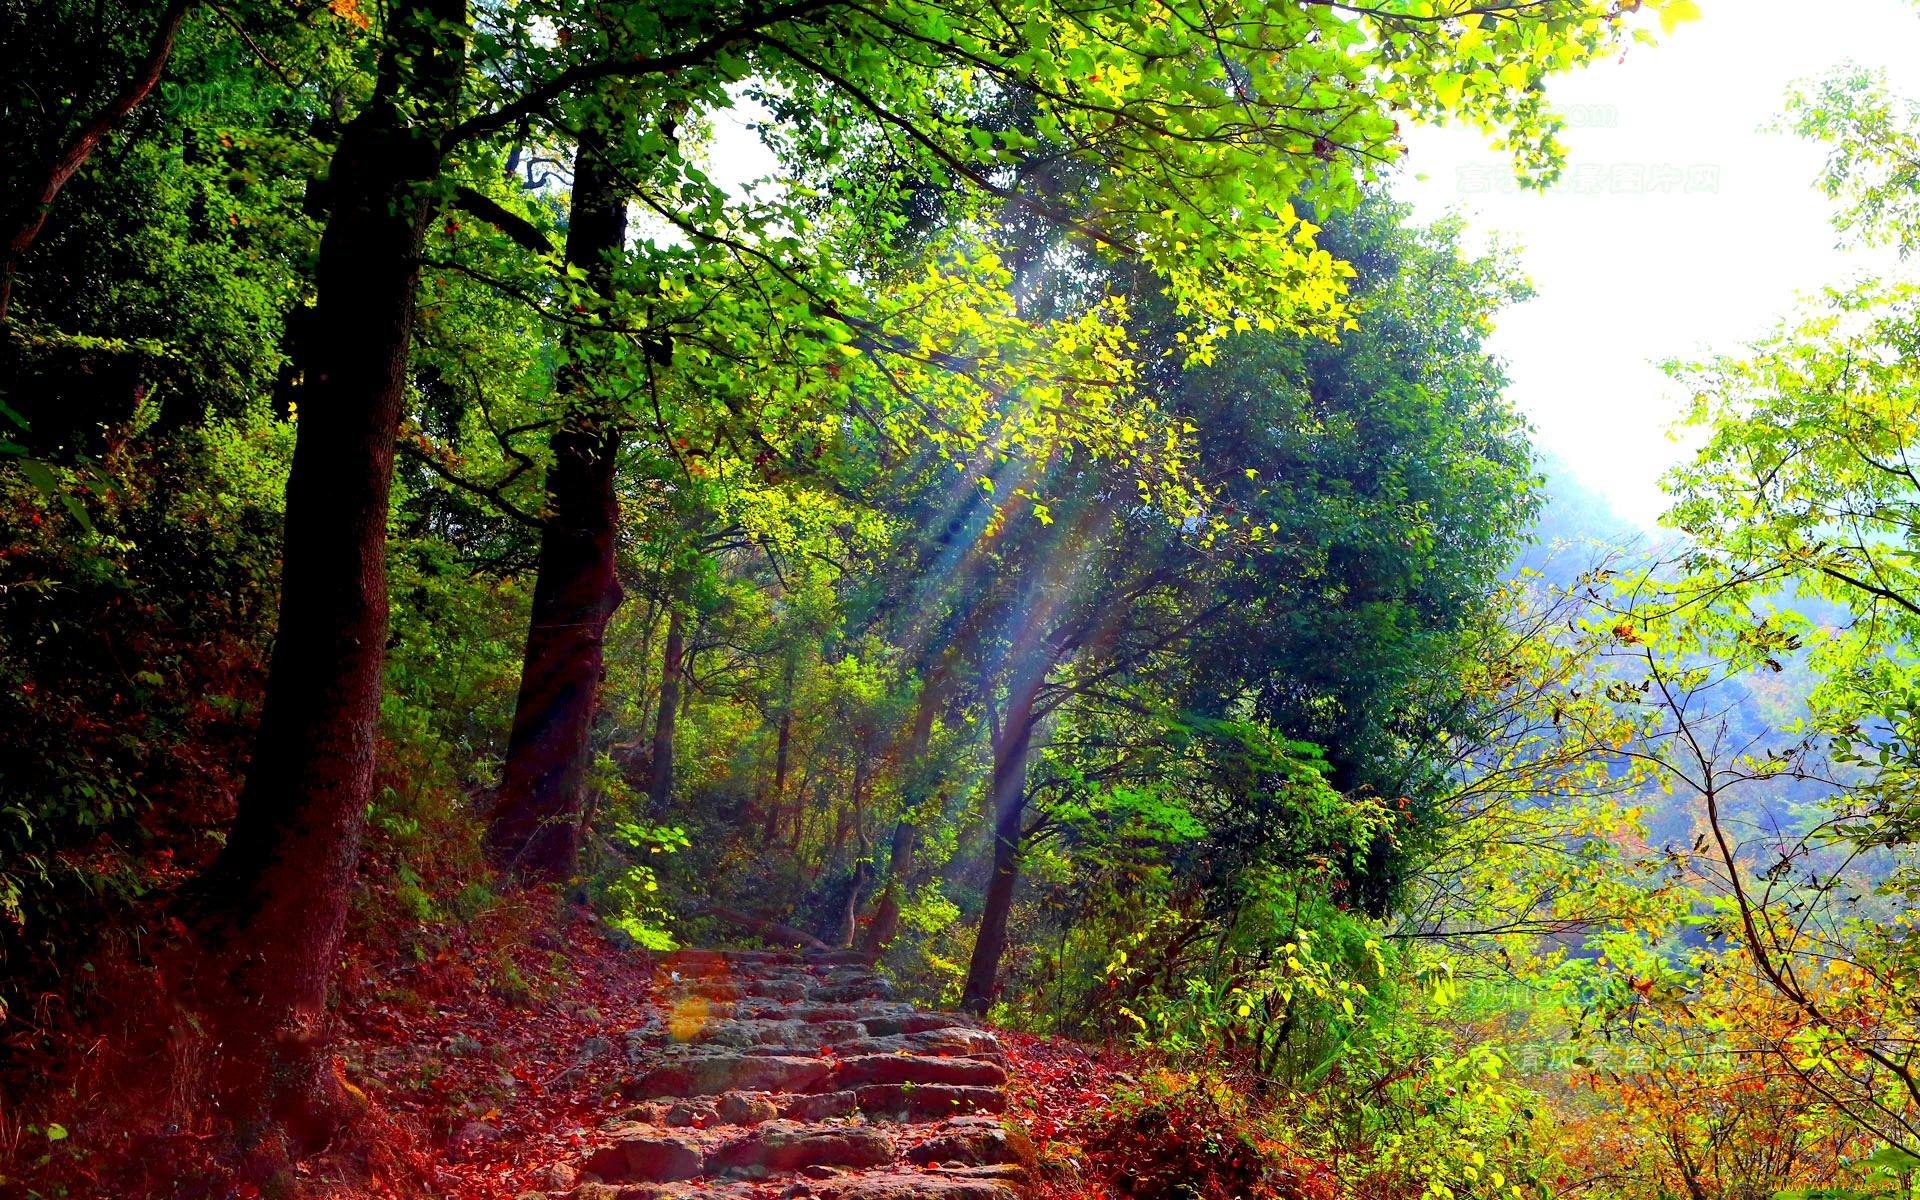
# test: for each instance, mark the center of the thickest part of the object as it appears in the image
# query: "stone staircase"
(765, 1074)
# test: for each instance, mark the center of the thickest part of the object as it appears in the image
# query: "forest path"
(763, 1075)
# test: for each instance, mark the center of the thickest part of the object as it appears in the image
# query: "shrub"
(1194, 1137)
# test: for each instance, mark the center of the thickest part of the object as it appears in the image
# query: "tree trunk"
(660, 786)
(839, 832)
(857, 803)
(886, 910)
(778, 803)
(906, 833)
(1009, 808)
(271, 909)
(800, 812)
(535, 828)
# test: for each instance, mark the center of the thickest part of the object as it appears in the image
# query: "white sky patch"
(1681, 229)
(733, 157)
(736, 157)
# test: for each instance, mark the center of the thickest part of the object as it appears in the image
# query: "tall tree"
(1087, 600)
(534, 829)
(879, 103)
(1362, 497)
(1208, 131)
(274, 904)
(673, 668)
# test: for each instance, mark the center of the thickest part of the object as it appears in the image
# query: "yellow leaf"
(1673, 12)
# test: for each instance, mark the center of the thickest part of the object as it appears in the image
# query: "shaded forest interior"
(1063, 541)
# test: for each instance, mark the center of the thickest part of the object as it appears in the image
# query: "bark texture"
(886, 910)
(535, 828)
(271, 909)
(906, 834)
(660, 786)
(1009, 809)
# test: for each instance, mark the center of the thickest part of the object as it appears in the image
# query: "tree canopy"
(1055, 538)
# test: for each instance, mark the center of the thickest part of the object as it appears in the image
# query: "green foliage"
(1872, 136)
(1074, 376)
(629, 899)
(130, 650)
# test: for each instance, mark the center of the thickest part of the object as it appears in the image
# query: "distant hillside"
(1576, 528)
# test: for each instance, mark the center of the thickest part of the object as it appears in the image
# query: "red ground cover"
(489, 1092)
(1061, 1091)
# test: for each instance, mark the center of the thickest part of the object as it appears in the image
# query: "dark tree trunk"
(660, 787)
(839, 832)
(1009, 808)
(780, 749)
(535, 829)
(778, 803)
(271, 908)
(886, 910)
(906, 833)
(800, 813)
(857, 803)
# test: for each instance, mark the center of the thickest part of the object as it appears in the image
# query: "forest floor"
(743, 1075)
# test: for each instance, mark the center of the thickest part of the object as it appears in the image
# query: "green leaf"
(40, 476)
(78, 512)
(1893, 1158)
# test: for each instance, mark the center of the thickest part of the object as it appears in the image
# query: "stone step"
(917, 1022)
(709, 1075)
(769, 1073)
(953, 1040)
(869, 987)
(903, 1103)
(819, 1106)
(773, 1069)
(864, 958)
(810, 1012)
(716, 987)
(907, 1102)
(790, 1145)
(757, 1031)
(974, 1142)
(644, 1154)
(929, 1185)
(845, 1037)
(689, 955)
(909, 1068)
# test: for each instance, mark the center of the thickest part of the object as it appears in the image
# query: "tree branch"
(514, 226)
(81, 145)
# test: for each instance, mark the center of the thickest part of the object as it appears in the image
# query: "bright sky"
(1711, 251)
(1626, 278)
